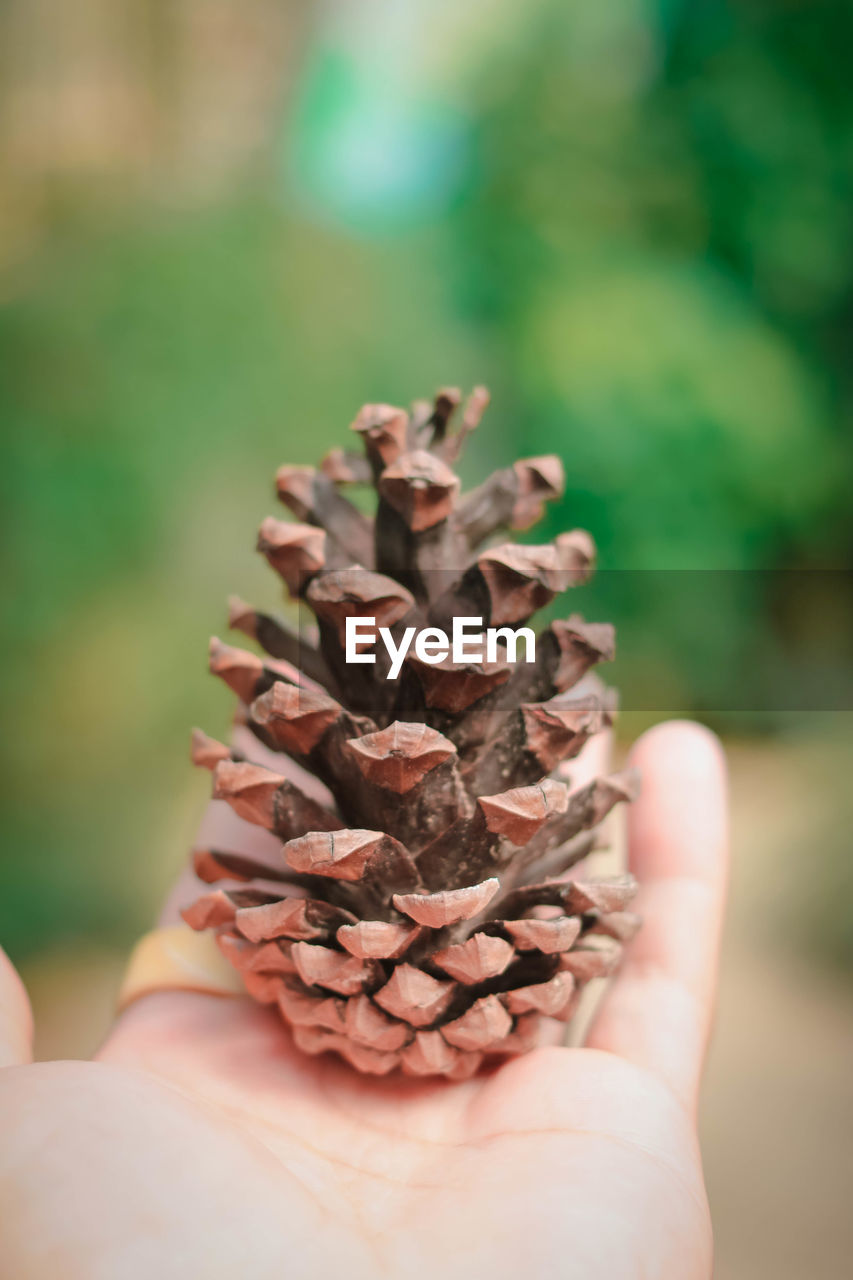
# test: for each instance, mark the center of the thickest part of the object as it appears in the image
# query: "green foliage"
(657, 237)
(155, 376)
(659, 232)
(647, 258)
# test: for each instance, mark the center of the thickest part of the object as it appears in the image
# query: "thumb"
(16, 1019)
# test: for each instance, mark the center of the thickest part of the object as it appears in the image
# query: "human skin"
(200, 1144)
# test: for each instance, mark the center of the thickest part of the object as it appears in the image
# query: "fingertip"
(16, 1017)
(678, 826)
(686, 742)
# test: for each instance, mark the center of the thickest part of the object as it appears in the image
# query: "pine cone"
(420, 915)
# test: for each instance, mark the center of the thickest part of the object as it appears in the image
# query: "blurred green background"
(227, 223)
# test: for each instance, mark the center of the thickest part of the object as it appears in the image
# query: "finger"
(658, 1011)
(16, 1019)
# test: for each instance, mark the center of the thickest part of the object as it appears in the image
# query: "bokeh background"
(227, 223)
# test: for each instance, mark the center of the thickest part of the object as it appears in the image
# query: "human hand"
(199, 1143)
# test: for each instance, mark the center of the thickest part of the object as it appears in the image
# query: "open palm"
(201, 1144)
